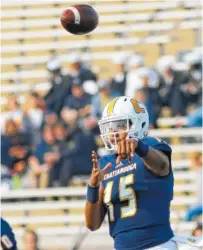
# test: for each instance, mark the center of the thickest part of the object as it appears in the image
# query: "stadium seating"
(172, 121)
(149, 27)
(65, 218)
(80, 192)
(156, 4)
(137, 23)
(187, 132)
(69, 235)
(100, 8)
(153, 29)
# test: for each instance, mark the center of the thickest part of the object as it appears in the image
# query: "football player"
(8, 241)
(133, 184)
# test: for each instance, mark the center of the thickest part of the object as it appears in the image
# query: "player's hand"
(97, 174)
(126, 149)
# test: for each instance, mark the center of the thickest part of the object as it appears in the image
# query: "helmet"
(123, 115)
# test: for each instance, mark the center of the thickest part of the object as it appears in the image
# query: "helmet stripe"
(137, 107)
(111, 106)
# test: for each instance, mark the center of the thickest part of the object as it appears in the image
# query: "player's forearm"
(94, 215)
(157, 162)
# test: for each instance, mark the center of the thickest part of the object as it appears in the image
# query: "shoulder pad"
(157, 143)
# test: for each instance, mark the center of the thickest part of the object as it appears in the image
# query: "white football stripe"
(76, 14)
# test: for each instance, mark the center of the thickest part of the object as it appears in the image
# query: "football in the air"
(79, 19)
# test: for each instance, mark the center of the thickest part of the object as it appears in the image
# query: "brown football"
(79, 19)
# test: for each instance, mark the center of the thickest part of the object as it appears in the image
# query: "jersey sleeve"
(8, 241)
(158, 144)
(161, 145)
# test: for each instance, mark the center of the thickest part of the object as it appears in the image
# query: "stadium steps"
(169, 11)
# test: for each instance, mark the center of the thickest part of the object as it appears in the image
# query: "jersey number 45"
(126, 194)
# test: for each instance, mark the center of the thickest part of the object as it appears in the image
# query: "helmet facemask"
(113, 129)
(123, 118)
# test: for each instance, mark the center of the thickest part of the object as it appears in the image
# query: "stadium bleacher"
(66, 215)
(136, 25)
(30, 36)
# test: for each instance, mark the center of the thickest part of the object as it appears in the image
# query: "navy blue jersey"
(8, 241)
(138, 201)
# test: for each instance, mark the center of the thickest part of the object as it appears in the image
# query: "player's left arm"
(154, 159)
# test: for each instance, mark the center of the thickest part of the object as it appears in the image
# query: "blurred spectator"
(177, 86)
(20, 175)
(195, 119)
(45, 156)
(33, 110)
(78, 71)
(90, 87)
(5, 178)
(60, 132)
(100, 100)
(195, 211)
(194, 60)
(198, 230)
(15, 144)
(60, 86)
(47, 144)
(6, 158)
(34, 116)
(75, 157)
(90, 125)
(118, 83)
(50, 118)
(133, 81)
(63, 135)
(14, 112)
(30, 240)
(76, 106)
(149, 96)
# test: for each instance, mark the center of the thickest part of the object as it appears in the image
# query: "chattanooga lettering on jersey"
(120, 171)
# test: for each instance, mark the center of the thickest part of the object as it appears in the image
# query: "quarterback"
(134, 183)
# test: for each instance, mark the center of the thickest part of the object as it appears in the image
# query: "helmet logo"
(136, 106)
(111, 106)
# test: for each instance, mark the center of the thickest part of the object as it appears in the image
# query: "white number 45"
(126, 193)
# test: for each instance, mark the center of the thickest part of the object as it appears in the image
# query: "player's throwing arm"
(153, 159)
